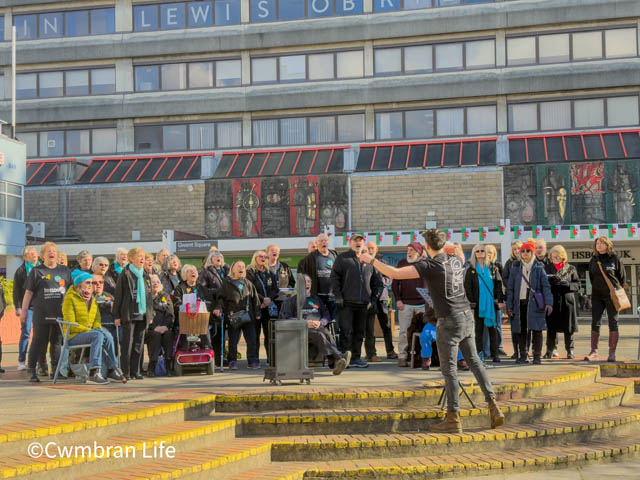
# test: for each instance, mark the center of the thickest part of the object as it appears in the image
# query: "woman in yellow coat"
(79, 307)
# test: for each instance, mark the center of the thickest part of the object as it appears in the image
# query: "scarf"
(559, 266)
(28, 266)
(118, 268)
(486, 306)
(142, 297)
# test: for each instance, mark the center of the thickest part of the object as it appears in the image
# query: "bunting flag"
(632, 230)
(518, 231)
(612, 230)
(501, 230)
(448, 233)
(345, 239)
(396, 238)
(379, 238)
(482, 233)
(555, 231)
(536, 231)
(593, 231)
(466, 232)
(574, 232)
(414, 237)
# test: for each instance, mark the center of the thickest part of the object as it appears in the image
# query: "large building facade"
(250, 119)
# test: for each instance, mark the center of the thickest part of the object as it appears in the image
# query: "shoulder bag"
(537, 296)
(618, 296)
(238, 319)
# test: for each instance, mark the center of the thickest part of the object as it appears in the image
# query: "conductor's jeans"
(453, 332)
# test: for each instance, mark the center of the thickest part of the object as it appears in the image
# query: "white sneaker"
(21, 366)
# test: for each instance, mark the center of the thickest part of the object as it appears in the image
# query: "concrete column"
(501, 49)
(246, 129)
(369, 123)
(367, 6)
(6, 93)
(245, 58)
(8, 23)
(502, 114)
(124, 75)
(124, 16)
(125, 136)
(245, 11)
(368, 58)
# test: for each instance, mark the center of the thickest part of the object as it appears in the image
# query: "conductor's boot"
(450, 424)
(497, 417)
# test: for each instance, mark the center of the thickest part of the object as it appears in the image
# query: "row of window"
(73, 23)
(579, 113)
(195, 14)
(435, 58)
(572, 47)
(10, 201)
(430, 123)
(70, 83)
(58, 143)
(619, 111)
(180, 76)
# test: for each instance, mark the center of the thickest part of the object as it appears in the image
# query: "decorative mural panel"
(573, 193)
(275, 206)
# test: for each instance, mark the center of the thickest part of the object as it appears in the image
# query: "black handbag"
(238, 319)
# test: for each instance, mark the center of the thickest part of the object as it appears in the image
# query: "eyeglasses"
(261, 256)
(479, 251)
(103, 264)
(526, 251)
(97, 283)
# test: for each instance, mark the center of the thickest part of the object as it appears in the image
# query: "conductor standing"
(443, 274)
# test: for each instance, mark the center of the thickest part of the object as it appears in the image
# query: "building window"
(389, 125)
(69, 83)
(322, 130)
(59, 143)
(187, 137)
(274, 10)
(228, 73)
(619, 111)
(73, 23)
(265, 132)
(173, 76)
(201, 75)
(424, 124)
(147, 78)
(572, 46)
(351, 128)
(321, 66)
(180, 15)
(11, 201)
(448, 57)
(622, 111)
(293, 131)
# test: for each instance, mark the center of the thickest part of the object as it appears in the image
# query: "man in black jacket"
(318, 265)
(30, 257)
(3, 304)
(355, 287)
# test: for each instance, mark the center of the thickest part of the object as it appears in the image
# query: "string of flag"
(519, 232)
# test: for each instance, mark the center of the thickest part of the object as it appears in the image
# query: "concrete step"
(220, 462)
(98, 424)
(126, 449)
(426, 394)
(276, 471)
(605, 424)
(571, 403)
(504, 462)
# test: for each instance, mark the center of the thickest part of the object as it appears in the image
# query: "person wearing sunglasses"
(506, 271)
(104, 300)
(529, 301)
(483, 286)
(101, 267)
(266, 284)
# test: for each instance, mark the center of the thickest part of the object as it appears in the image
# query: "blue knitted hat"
(78, 276)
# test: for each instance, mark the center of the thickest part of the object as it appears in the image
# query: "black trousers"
(45, 333)
(132, 347)
(352, 319)
(494, 336)
(552, 340)
(262, 325)
(598, 307)
(157, 340)
(523, 336)
(370, 339)
(326, 343)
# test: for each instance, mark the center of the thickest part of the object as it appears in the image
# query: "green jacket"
(74, 310)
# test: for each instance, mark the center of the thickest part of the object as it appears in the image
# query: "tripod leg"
(466, 394)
